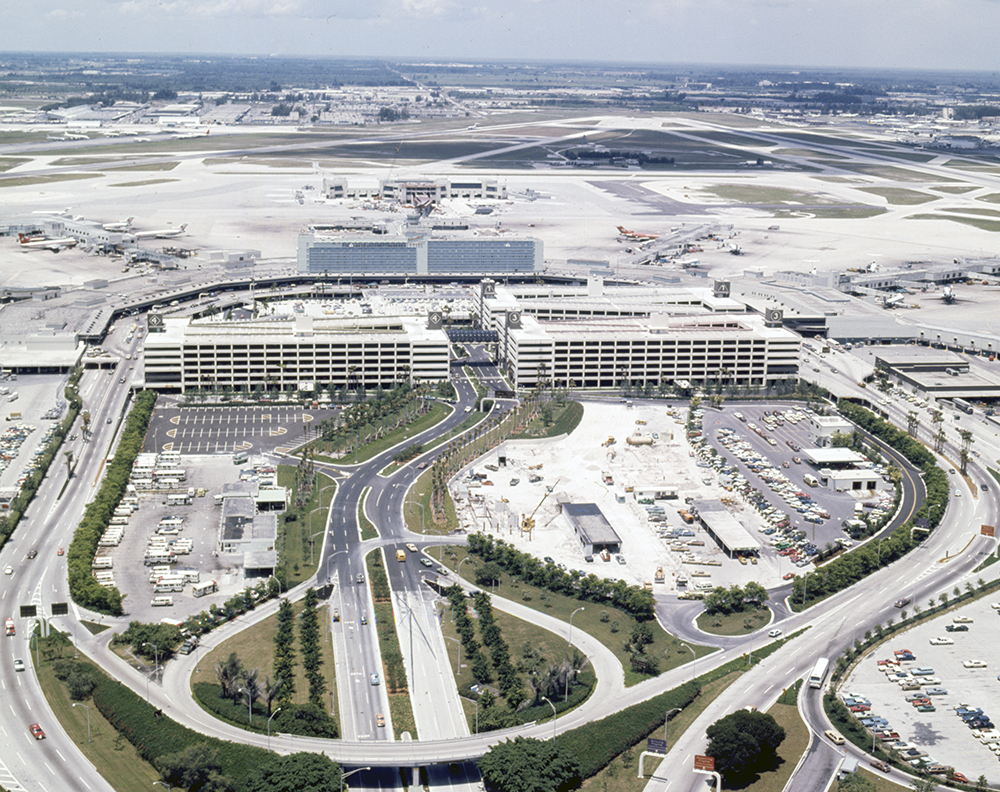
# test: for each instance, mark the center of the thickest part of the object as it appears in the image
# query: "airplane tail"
(22, 239)
(183, 226)
(622, 229)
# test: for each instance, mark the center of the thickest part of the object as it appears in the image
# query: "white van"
(12, 397)
(102, 562)
(162, 601)
(164, 587)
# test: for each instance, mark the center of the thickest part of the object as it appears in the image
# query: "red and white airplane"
(55, 245)
(635, 236)
(163, 233)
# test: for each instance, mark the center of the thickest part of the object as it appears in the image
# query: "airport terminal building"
(294, 353)
(366, 254)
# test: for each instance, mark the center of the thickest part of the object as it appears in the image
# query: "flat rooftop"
(590, 523)
(725, 527)
(832, 456)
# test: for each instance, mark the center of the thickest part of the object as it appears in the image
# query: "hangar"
(592, 528)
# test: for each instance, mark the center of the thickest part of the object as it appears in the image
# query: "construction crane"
(528, 521)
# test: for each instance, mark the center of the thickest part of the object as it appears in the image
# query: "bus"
(241, 458)
(201, 589)
(818, 675)
(175, 473)
(963, 405)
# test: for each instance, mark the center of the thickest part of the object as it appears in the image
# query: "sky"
(906, 34)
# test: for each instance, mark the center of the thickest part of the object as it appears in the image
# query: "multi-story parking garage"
(294, 352)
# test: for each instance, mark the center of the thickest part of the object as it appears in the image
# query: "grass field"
(6, 163)
(988, 198)
(27, 181)
(518, 634)
(420, 521)
(368, 530)
(882, 784)
(892, 173)
(984, 225)
(471, 419)
(564, 419)
(294, 552)
(795, 743)
(437, 413)
(900, 195)
(972, 165)
(733, 623)
(114, 758)
(255, 648)
(973, 211)
(611, 626)
(758, 194)
(957, 189)
(620, 775)
(143, 183)
(799, 152)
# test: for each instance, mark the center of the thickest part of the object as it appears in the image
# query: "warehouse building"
(294, 353)
(592, 528)
(725, 529)
(354, 253)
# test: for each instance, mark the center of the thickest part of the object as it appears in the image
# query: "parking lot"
(771, 473)
(946, 678)
(200, 525)
(225, 429)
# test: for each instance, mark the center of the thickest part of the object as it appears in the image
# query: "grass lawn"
(900, 195)
(612, 627)
(620, 775)
(957, 189)
(437, 413)
(368, 529)
(255, 648)
(93, 627)
(733, 623)
(518, 634)
(795, 743)
(471, 420)
(882, 784)
(985, 225)
(755, 194)
(114, 757)
(564, 419)
(417, 512)
(27, 181)
(143, 183)
(294, 553)
(6, 163)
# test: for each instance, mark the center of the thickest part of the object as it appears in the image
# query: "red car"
(60, 551)
(960, 777)
(789, 575)
(36, 731)
(860, 708)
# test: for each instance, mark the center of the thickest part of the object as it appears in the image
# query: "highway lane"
(54, 763)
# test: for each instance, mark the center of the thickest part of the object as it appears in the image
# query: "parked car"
(963, 620)
(942, 641)
(974, 664)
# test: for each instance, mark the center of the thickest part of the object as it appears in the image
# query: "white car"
(958, 493)
(8, 570)
(774, 633)
(963, 620)
(941, 642)
(974, 664)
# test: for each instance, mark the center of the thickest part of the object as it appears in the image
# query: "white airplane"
(125, 225)
(55, 245)
(163, 233)
(75, 136)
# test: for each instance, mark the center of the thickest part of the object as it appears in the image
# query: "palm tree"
(228, 672)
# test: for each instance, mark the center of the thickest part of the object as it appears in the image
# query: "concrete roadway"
(54, 763)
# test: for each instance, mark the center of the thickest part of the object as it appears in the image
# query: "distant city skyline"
(915, 34)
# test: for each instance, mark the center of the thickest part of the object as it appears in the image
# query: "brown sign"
(704, 763)
(986, 530)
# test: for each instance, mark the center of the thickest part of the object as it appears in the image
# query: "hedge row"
(154, 735)
(634, 600)
(83, 586)
(596, 744)
(301, 719)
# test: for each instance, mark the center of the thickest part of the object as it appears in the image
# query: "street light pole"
(694, 660)
(312, 545)
(269, 727)
(458, 572)
(570, 642)
(458, 660)
(345, 775)
(156, 668)
(78, 704)
(553, 717)
(666, 718)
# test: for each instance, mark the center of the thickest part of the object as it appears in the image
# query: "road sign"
(656, 746)
(60, 608)
(986, 530)
(704, 763)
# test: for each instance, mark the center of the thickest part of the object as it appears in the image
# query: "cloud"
(61, 14)
(229, 9)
